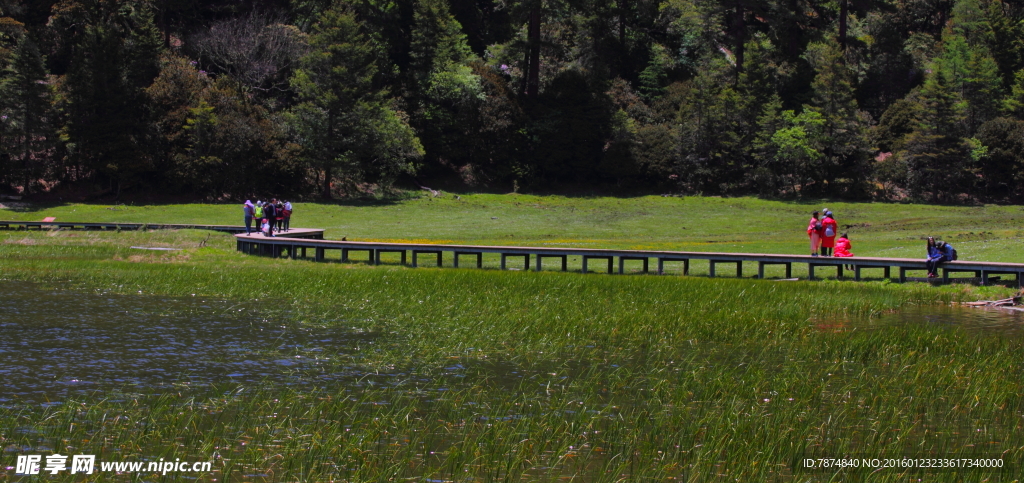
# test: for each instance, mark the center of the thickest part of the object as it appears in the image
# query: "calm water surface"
(58, 343)
(980, 320)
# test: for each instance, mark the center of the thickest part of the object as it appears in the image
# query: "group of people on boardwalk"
(822, 232)
(938, 252)
(268, 215)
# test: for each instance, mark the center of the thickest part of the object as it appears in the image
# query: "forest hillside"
(220, 99)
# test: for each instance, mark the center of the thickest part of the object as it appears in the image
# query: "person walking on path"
(935, 257)
(829, 228)
(269, 213)
(287, 215)
(247, 210)
(814, 232)
(842, 248)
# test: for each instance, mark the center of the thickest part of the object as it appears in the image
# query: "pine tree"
(765, 175)
(438, 43)
(26, 107)
(845, 149)
(342, 111)
(1013, 104)
(107, 111)
(973, 77)
(939, 165)
(446, 93)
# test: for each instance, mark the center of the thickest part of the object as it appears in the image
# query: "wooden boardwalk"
(298, 241)
(297, 248)
(315, 233)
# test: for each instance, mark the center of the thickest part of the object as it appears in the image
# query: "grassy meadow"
(484, 375)
(991, 233)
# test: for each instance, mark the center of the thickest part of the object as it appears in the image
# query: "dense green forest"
(882, 99)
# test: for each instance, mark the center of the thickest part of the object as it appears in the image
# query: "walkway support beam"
(418, 252)
(587, 258)
(622, 263)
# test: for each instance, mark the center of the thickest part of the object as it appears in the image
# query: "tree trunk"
(330, 156)
(624, 52)
(327, 182)
(163, 24)
(843, 13)
(27, 148)
(739, 31)
(533, 81)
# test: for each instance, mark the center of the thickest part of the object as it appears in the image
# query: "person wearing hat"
(829, 227)
(814, 228)
(247, 210)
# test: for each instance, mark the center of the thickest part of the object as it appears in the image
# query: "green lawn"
(990, 233)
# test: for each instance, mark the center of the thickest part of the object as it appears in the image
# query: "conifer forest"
(910, 100)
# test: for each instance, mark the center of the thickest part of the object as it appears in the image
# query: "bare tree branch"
(257, 50)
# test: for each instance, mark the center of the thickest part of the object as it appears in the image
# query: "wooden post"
(686, 266)
(538, 263)
(984, 277)
(584, 264)
(789, 270)
(739, 269)
(622, 265)
(810, 271)
(887, 273)
(903, 274)
(439, 264)
(856, 273)
(945, 275)
(414, 265)
(839, 271)
(565, 263)
(503, 256)
(611, 263)
(344, 255)
(661, 266)
(711, 272)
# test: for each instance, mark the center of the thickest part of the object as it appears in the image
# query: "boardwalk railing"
(74, 225)
(297, 248)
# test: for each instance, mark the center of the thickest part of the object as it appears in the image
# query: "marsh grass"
(510, 376)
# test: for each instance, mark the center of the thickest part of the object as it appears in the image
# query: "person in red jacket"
(814, 232)
(828, 234)
(842, 248)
